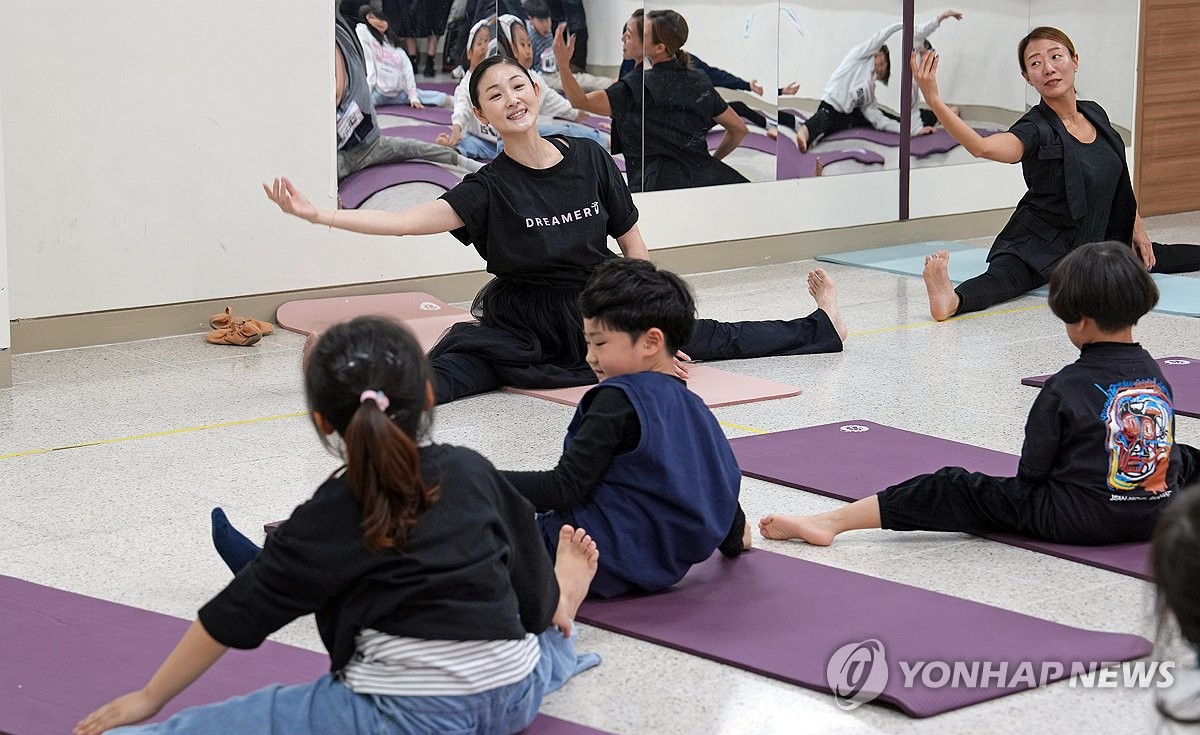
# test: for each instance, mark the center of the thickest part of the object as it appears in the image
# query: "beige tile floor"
(127, 520)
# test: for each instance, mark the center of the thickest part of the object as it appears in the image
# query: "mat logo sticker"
(1178, 362)
(1139, 420)
(857, 673)
(855, 428)
(429, 306)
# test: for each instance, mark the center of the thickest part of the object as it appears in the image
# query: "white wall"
(605, 20)
(145, 136)
(5, 336)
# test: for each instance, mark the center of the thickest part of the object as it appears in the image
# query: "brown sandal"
(241, 333)
(227, 319)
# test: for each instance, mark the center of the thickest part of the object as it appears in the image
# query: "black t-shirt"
(545, 226)
(1101, 167)
(1105, 425)
(473, 568)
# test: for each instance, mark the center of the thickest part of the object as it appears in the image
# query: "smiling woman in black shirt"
(541, 215)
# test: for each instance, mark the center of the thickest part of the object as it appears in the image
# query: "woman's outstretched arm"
(594, 102)
(423, 219)
(1002, 147)
(193, 655)
(735, 130)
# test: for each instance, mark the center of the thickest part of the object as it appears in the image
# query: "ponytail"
(368, 378)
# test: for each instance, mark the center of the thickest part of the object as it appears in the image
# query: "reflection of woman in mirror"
(541, 214)
(677, 106)
(1074, 165)
(849, 97)
(389, 70)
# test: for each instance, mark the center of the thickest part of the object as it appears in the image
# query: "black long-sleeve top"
(609, 427)
(474, 568)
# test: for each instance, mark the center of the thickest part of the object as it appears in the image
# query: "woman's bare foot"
(943, 301)
(824, 292)
(805, 528)
(802, 138)
(747, 537)
(574, 567)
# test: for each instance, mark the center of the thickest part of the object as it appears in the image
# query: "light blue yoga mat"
(1176, 294)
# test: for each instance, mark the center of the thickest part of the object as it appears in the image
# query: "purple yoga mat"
(360, 186)
(784, 618)
(938, 141)
(438, 115)
(829, 460)
(1183, 373)
(753, 141)
(792, 164)
(65, 654)
(425, 133)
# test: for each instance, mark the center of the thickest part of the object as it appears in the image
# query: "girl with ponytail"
(425, 569)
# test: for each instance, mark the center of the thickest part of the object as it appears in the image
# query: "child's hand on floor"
(124, 710)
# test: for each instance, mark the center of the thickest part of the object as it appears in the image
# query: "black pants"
(461, 374)
(828, 120)
(928, 119)
(749, 114)
(1007, 276)
(955, 500)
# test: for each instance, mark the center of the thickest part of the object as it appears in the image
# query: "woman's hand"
(755, 87)
(290, 200)
(681, 364)
(564, 47)
(950, 14)
(124, 710)
(924, 69)
(790, 89)
(1141, 243)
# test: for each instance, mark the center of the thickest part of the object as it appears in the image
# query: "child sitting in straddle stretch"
(1100, 459)
(645, 466)
(432, 590)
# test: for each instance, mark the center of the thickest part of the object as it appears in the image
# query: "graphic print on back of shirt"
(1140, 423)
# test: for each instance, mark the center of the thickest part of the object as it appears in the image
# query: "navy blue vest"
(664, 506)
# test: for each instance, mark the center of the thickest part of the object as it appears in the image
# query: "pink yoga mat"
(851, 460)
(715, 387)
(785, 618)
(1183, 373)
(427, 316)
(65, 654)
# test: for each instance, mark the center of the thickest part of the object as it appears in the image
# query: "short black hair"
(887, 57)
(536, 8)
(632, 296)
(1105, 282)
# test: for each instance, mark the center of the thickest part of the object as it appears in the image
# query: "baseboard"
(5, 369)
(126, 325)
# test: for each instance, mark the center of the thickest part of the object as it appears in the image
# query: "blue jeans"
(328, 706)
(472, 146)
(426, 96)
(554, 126)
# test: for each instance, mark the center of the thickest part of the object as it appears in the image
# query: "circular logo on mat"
(857, 673)
(855, 428)
(1178, 362)
(429, 306)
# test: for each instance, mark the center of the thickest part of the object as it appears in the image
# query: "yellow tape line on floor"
(155, 434)
(243, 422)
(964, 317)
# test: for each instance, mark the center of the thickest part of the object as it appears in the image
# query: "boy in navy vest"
(1100, 459)
(645, 466)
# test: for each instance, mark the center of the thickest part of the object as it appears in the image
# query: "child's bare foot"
(824, 292)
(574, 567)
(805, 528)
(943, 301)
(309, 343)
(818, 167)
(802, 138)
(747, 537)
